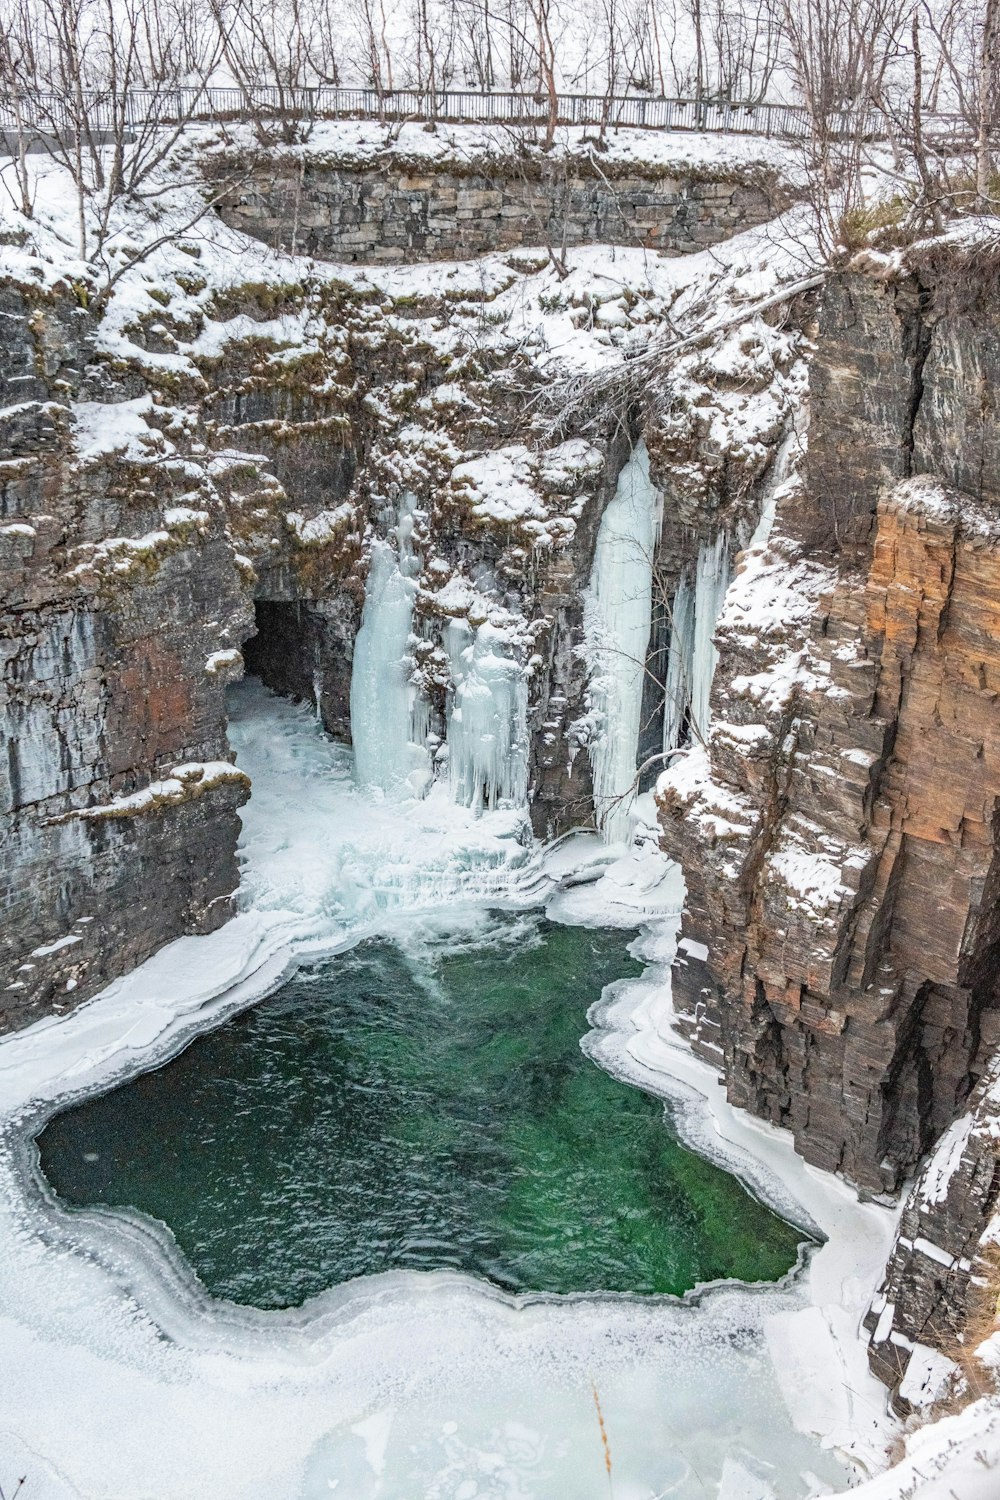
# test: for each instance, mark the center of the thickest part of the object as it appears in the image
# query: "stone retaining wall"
(391, 212)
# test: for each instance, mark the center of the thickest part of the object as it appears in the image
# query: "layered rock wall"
(123, 609)
(839, 958)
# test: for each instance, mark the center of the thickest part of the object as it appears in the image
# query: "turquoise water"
(418, 1106)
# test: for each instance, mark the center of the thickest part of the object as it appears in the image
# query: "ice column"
(487, 718)
(677, 688)
(617, 617)
(692, 657)
(712, 580)
(384, 702)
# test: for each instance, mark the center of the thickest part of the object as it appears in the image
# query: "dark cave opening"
(304, 651)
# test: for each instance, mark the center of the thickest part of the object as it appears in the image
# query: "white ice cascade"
(386, 711)
(617, 618)
(695, 610)
(487, 717)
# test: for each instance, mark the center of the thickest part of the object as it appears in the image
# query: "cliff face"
(206, 468)
(839, 834)
(940, 1282)
(207, 459)
(117, 799)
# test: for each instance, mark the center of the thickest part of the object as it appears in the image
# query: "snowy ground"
(129, 1382)
(680, 150)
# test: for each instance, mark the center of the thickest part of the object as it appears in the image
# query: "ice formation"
(617, 617)
(677, 688)
(384, 701)
(692, 657)
(342, 859)
(487, 717)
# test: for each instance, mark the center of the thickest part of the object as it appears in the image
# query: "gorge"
(653, 581)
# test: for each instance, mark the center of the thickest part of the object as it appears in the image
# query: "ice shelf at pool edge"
(487, 1394)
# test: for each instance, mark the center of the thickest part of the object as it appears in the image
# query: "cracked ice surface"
(122, 1379)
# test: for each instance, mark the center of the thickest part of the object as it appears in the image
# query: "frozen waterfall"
(487, 717)
(677, 691)
(691, 661)
(385, 707)
(617, 617)
(711, 582)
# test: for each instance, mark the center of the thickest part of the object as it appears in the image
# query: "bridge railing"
(141, 106)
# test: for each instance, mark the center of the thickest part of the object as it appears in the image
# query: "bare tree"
(840, 54)
(368, 26)
(542, 13)
(278, 51)
(108, 87)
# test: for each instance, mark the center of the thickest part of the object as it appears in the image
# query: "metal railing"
(139, 107)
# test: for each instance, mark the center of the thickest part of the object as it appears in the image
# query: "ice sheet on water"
(131, 1382)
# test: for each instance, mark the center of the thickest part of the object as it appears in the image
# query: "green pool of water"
(418, 1107)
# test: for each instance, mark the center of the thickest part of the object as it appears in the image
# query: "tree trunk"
(987, 75)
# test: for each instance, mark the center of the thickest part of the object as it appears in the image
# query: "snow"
(118, 427)
(183, 784)
(184, 515)
(500, 486)
(928, 1376)
(816, 1349)
(223, 662)
(63, 942)
(99, 1317)
(323, 526)
(812, 880)
(883, 1327)
(946, 1159)
(539, 493)
(955, 1458)
(363, 141)
(933, 1252)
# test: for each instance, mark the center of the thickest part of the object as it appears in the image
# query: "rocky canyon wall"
(203, 462)
(204, 469)
(839, 958)
(121, 611)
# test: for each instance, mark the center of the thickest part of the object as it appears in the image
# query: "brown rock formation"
(848, 905)
(841, 940)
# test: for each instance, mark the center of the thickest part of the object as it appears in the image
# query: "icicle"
(617, 624)
(487, 719)
(677, 689)
(779, 473)
(710, 589)
(692, 657)
(318, 694)
(384, 704)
